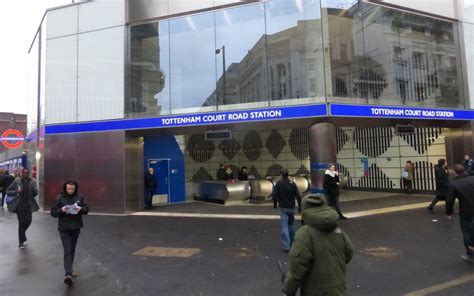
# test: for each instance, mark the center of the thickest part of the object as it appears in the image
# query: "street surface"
(397, 253)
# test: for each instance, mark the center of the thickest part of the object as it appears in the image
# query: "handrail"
(51, 9)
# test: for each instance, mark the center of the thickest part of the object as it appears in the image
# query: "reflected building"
(289, 60)
(145, 71)
(386, 55)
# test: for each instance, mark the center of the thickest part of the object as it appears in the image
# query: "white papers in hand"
(72, 209)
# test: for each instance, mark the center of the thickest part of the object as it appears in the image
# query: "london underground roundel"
(12, 138)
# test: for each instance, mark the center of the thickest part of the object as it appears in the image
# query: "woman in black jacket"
(69, 208)
(25, 190)
(331, 186)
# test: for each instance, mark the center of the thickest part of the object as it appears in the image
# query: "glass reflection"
(193, 64)
(149, 70)
(240, 58)
(295, 52)
(273, 53)
(385, 56)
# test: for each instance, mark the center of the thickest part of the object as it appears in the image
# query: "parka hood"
(76, 187)
(323, 218)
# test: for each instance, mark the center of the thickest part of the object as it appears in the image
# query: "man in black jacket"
(284, 194)
(150, 187)
(462, 188)
(467, 163)
(69, 208)
(7, 180)
(442, 183)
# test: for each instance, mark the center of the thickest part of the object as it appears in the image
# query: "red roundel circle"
(12, 143)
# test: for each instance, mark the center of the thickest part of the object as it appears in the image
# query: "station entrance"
(370, 160)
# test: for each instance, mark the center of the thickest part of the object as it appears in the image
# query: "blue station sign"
(209, 118)
(370, 111)
(263, 114)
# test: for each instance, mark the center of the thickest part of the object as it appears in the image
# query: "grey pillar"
(459, 141)
(322, 150)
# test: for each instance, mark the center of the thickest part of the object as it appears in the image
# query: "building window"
(402, 89)
(419, 60)
(420, 91)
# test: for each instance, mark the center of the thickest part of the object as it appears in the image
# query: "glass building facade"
(102, 61)
(293, 52)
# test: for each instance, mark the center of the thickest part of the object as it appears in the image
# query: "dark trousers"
(435, 201)
(149, 198)
(467, 228)
(333, 201)
(69, 240)
(24, 221)
(408, 185)
(4, 194)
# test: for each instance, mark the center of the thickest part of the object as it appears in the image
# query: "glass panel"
(467, 11)
(240, 39)
(294, 52)
(345, 50)
(149, 71)
(182, 6)
(385, 56)
(61, 85)
(193, 63)
(468, 40)
(32, 88)
(100, 86)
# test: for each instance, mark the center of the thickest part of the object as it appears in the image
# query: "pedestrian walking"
(462, 188)
(331, 186)
(25, 190)
(228, 174)
(320, 252)
(284, 195)
(150, 187)
(468, 165)
(220, 175)
(243, 174)
(442, 183)
(69, 209)
(2, 175)
(408, 175)
(7, 181)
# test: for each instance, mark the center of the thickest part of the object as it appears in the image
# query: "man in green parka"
(319, 253)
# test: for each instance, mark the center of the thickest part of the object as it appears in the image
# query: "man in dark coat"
(442, 183)
(243, 174)
(7, 180)
(220, 175)
(462, 188)
(320, 252)
(150, 187)
(69, 208)
(284, 194)
(25, 204)
(467, 163)
(2, 175)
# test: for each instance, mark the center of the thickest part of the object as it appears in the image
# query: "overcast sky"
(19, 20)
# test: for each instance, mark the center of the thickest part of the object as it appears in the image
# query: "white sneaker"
(467, 259)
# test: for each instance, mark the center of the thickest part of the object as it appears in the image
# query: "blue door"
(162, 175)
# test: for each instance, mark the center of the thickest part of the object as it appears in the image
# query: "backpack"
(10, 198)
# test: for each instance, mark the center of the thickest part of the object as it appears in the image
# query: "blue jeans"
(287, 220)
(467, 224)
